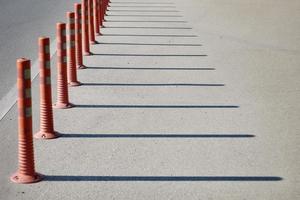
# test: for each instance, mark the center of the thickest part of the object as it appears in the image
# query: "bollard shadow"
(132, 15)
(146, 35)
(158, 106)
(113, 10)
(149, 55)
(162, 178)
(153, 84)
(147, 27)
(138, 2)
(155, 135)
(149, 44)
(148, 6)
(154, 68)
(162, 21)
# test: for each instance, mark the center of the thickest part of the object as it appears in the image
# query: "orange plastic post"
(46, 112)
(26, 171)
(72, 71)
(96, 17)
(91, 22)
(101, 12)
(78, 36)
(62, 82)
(85, 28)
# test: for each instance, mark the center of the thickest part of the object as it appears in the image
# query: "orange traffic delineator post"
(62, 82)
(78, 36)
(101, 13)
(85, 28)
(96, 17)
(46, 112)
(91, 22)
(26, 171)
(72, 71)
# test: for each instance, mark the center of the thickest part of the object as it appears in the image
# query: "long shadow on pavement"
(156, 106)
(154, 68)
(153, 84)
(149, 44)
(161, 178)
(154, 135)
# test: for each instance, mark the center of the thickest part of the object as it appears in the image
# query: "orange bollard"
(62, 82)
(72, 72)
(91, 22)
(46, 113)
(78, 36)
(26, 170)
(96, 18)
(101, 12)
(85, 28)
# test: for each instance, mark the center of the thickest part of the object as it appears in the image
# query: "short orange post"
(72, 71)
(78, 36)
(46, 112)
(62, 82)
(85, 28)
(26, 171)
(96, 17)
(91, 22)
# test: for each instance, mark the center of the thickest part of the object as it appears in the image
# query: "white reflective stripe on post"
(47, 49)
(48, 80)
(27, 74)
(28, 93)
(28, 112)
(65, 59)
(47, 64)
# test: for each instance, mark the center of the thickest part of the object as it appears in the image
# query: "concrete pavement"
(155, 119)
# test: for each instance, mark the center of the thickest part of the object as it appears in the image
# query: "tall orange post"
(96, 17)
(26, 171)
(91, 22)
(72, 71)
(46, 112)
(62, 82)
(78, 36)
(101, 12)
(85, 28)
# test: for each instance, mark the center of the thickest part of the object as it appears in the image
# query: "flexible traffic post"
(91, 22)
(96, 17)
(105, 6)
(85, 28)
(46, 112)
(62, 82)
(78, 36)
(72, 71)
(26, 171)
(100, 13)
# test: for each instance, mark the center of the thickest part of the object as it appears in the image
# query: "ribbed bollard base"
(74, 83)
(63, 105)
(26, 179)
(45, 135)
(81, 67)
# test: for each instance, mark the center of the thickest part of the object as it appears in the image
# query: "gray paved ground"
(221, 126)
(21, 22)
